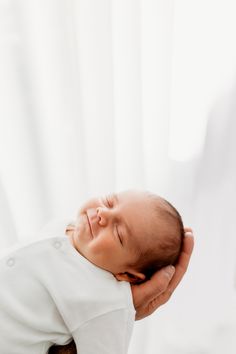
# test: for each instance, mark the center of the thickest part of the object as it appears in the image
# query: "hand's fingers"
(188, 229)
(165, 280)
(183, 262)
(180, 270)
(160, 281)
(157, 291)
(154, 287)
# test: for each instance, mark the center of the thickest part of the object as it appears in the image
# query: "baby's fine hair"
(166, 242)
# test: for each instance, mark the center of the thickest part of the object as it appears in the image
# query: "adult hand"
(148, 296)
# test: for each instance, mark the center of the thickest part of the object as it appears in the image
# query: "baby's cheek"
(101, 246)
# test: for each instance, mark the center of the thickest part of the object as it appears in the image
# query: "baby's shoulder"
(33, 247)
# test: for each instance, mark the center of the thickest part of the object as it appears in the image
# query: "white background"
(104, 95)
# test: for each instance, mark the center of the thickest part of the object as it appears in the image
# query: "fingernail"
(188, 233)
(170, 270)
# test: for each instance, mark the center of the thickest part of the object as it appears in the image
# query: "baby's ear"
(131, 277)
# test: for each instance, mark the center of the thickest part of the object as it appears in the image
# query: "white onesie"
(49, 293)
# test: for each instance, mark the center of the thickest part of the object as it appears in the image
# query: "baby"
(65, 286)
(131, 234)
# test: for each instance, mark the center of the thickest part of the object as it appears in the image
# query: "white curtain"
(104, 95)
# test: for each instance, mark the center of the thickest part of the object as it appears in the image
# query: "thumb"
(169, 271)
(158, 283)
(162, 278)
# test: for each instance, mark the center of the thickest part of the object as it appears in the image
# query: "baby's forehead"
(138, 196)
(140, 203)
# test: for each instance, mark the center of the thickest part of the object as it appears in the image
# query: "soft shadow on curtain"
(97, 96)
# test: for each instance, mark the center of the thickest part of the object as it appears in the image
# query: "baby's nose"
(102, 216)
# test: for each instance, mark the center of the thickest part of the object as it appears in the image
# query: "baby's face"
(110, 230)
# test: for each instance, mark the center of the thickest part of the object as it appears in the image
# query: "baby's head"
(131, 234)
